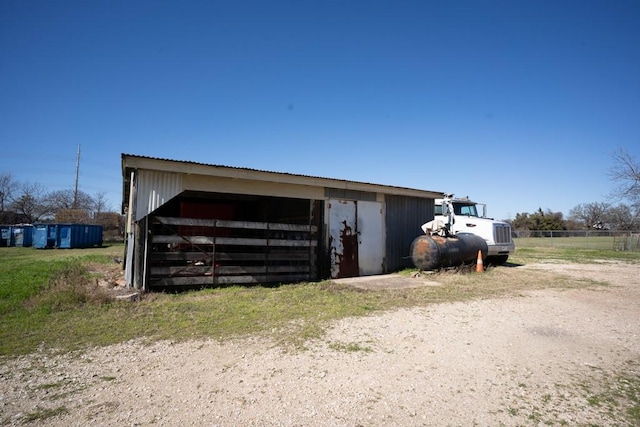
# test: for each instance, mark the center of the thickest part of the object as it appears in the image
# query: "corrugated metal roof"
(323, 180)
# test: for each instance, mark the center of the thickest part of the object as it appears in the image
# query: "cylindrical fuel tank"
(433, 252)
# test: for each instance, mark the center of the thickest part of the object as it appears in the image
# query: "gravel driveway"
(543, 358)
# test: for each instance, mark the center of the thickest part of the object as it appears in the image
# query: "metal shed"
(191, 225)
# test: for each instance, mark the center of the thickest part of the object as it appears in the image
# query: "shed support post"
(139, 257)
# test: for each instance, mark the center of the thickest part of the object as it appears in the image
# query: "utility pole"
(75, 194)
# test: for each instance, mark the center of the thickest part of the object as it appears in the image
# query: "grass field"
(597, 242)
(49, 300)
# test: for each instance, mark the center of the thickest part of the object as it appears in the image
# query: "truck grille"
(502, 233)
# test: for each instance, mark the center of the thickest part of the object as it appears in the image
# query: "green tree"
(521, 222)
(539, 220)
(547, 220)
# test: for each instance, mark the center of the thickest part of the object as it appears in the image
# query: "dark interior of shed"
(217, 238)
(240, 207)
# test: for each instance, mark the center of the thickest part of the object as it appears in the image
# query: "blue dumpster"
(67, 236)
(22, 235)
(79, 236)
(6, 236)
(45, 236)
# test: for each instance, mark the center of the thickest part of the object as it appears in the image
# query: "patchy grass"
(68, 288)
(349, 347)
(48, 300)
(24, 272)
(613, 396)
(42, 414)
(618, 393)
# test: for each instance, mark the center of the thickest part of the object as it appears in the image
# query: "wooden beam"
(281, 278)
(180, 256)
(290, 255)
(174, 239)
(233, 269)
(195, 222)
(186, 270)
(228, 280)
(237, 241)
(264, 242)
(182, 281)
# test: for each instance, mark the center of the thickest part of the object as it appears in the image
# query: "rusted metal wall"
(356, 237)
(403, 219)
(343, 238)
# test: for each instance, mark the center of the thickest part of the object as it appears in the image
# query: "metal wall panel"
(343, 239)
(154, 189)
(404, 216)
(370, 238)
(346, 194)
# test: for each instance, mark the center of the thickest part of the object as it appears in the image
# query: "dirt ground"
(543, 358)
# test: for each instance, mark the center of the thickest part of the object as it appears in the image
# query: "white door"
(343, 239)
(356, 241)
(370, 238)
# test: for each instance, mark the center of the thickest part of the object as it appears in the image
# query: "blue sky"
(516, 104)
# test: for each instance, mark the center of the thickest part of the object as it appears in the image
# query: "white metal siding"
(154, 189)
(370, 238)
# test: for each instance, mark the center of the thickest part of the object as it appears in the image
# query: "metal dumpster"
(79, 236)
(22, 235)
(45, 236)
(6, 236)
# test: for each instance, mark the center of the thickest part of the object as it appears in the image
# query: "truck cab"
(461, 215)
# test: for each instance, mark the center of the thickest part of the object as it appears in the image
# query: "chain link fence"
(580, 239)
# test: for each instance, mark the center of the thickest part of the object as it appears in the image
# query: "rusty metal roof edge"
(235, 171)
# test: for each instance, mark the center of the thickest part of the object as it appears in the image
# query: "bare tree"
(626, 173)
(66, 199)
(590, 214)
(622, 217)
(100, 203)
(7, 187)
(31, 203)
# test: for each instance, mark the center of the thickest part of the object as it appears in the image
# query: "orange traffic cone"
(479, 264)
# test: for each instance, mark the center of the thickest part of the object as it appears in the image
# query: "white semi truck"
(453, 216)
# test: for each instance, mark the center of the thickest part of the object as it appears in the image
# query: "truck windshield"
(467, 210)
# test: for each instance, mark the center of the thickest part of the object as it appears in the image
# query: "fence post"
(586, 238)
